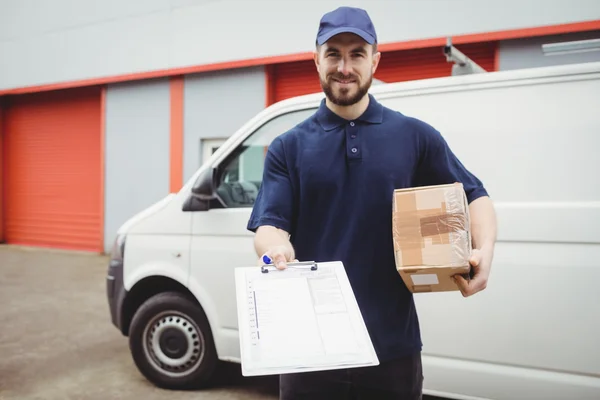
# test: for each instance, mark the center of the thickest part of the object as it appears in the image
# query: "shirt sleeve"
(274, 203)
(439, 165)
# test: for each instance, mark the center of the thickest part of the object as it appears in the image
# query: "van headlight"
(118, 250)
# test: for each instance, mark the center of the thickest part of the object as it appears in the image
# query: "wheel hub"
(174, 344)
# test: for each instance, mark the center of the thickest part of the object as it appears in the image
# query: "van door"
(220, 240)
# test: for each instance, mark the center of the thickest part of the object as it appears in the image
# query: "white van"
(532, 136)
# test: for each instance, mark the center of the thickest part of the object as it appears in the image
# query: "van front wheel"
(171, 342)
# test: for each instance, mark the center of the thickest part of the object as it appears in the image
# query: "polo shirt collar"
(330, 120)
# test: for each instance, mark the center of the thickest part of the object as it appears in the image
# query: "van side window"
(240, 176)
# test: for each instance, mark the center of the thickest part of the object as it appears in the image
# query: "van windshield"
(241, 176)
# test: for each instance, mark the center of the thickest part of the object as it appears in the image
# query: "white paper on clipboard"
(300, 319)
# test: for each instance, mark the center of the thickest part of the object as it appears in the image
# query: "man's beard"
(344, 98)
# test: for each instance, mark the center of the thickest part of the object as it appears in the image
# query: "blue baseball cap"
(346, 19)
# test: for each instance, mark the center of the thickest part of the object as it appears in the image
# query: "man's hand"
(483, 227)
(274, 243)
(279, 255)
(481, 262)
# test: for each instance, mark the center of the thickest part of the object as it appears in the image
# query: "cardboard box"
(432, 238)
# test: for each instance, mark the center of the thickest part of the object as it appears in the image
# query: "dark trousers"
(397, 379)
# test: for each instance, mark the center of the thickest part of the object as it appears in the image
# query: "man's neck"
(349, 112)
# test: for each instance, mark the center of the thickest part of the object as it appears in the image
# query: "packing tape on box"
(429, 225)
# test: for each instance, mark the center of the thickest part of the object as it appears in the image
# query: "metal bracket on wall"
(463, 65)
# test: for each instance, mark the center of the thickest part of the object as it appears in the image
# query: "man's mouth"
(344, 81)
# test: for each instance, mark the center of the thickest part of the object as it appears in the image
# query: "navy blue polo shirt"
(329, 183)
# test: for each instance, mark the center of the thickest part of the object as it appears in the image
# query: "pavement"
(57, 341)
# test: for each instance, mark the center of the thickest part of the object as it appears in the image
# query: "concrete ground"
(57, 341)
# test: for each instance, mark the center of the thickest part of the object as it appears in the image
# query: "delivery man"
(327, 195)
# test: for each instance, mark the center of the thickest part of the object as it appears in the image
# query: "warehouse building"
(106, 107)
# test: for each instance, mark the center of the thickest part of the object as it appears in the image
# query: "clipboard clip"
(300, 265)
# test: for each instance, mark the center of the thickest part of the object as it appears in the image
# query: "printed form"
(300, 320)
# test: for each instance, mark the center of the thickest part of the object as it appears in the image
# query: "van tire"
(171, 342)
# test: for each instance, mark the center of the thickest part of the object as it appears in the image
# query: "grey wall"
(216, 105)
(527, 53)
(137, 150)
(43, 42)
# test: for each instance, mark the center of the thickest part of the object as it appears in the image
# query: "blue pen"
(266, 259)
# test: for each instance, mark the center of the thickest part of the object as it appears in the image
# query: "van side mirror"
(203, 191)
(204, 187)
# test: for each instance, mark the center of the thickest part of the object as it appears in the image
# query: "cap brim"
(366, 37)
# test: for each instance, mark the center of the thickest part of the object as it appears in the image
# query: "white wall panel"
(20, 19)
(113, 47)
(45, 42)
(217, 104)
(137, 150)
(527, 52)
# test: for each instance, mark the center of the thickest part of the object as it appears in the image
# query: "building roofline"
(383, 47)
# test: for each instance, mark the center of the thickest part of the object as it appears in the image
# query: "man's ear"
(376, 58)
(316, 58)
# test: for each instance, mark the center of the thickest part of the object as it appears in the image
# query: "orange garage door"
(1, 174)
(405, 65)
(293, 79)
(298, 78)
(52, 186)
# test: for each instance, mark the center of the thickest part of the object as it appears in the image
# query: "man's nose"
(344, 67)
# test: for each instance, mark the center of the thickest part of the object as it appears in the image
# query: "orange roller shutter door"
(53, 176)
(294, 79)
(299, 78)
(1, 173)
(430, 62)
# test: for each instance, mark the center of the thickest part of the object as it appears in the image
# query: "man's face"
(346, 65)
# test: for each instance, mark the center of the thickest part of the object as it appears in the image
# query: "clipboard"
(313, 266)
(300, 319)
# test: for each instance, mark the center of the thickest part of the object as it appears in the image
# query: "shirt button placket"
(352, 141)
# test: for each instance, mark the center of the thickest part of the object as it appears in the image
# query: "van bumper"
(115, 292)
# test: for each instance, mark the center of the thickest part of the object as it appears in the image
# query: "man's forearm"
(483, 224)
(269, 237)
